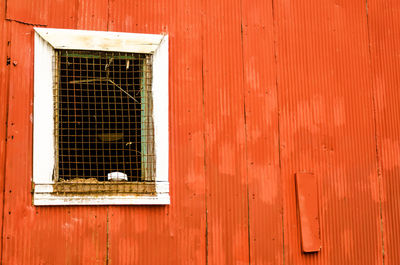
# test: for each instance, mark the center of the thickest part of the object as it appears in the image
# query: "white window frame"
(46, 41)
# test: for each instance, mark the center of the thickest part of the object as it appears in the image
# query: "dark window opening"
(103, 115)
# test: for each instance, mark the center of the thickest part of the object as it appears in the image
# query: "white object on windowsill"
(117, 176)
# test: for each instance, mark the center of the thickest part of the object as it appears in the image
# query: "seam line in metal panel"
(378, 167)
(245, 133)
(25, 23)
(279, 126)
(204, 133)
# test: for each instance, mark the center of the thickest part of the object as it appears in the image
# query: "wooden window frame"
(46, 41)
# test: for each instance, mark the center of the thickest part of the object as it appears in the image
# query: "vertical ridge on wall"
(384, 24)
(171, 234)
(226, 181)
(261, 110)
(327, 128)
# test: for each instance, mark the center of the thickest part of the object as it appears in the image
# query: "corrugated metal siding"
(225, 142)
(4, 52)
(262, 133)
(169, 234)
(258, 92)
(27, 11)
(327, 127)
(92, 15)
(39, 235)
(384, 21)
(63, 14)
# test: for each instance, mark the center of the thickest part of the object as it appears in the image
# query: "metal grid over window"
(103, 117)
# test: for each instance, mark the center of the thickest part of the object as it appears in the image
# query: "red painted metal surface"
(225, 142)
(4, 73)
(262, 133)
(307, 203)
(259, 90)
(384, 21)
(39, 235)
(327, 127)
(26, 11)
(174, 234)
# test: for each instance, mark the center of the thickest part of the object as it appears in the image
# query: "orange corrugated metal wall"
(259, 90)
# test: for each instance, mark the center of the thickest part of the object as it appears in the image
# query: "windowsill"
(52, 194)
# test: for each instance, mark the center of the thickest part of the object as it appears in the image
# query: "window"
(100, 118)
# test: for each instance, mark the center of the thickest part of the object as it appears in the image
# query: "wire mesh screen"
(103, 116)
